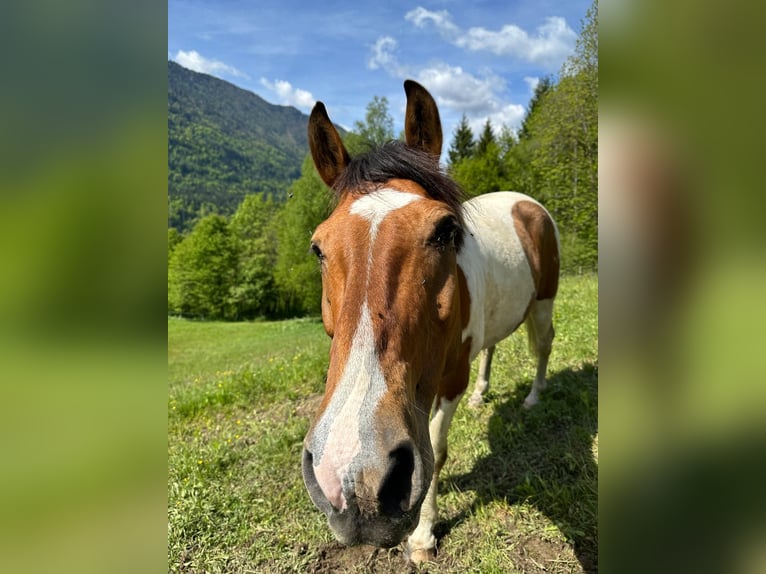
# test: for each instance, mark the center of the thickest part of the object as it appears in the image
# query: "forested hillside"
(225, 143)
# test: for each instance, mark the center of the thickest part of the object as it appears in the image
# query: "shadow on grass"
(542, 456)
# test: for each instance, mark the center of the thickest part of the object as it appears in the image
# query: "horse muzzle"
(369, 500)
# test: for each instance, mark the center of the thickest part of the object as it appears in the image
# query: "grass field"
(518, 493)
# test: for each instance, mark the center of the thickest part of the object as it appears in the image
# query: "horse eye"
(317, 251)
(446, 234)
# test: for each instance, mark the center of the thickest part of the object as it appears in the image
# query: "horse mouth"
(362, 521)
(352, 527)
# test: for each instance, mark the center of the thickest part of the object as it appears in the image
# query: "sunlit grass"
(519, 488)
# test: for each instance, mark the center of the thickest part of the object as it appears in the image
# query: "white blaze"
(375, 206)
(351, 411)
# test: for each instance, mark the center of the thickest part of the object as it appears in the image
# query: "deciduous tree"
(378, 127)
(254, 291)
(202, 271)
(298, 281)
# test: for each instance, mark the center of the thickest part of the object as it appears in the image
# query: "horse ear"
(422, 125)
(327, 150)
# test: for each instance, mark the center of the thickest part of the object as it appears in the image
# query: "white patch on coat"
(375, 206)
(351, 410)
(498, 276)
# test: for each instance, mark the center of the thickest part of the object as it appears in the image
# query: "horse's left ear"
(327, 149)
(422, 125)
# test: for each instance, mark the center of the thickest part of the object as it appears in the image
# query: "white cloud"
(532, 83)
(382, 53)
(194, 61)
(508, 115)
(442, 20)
(480, 98)
(460, 90)
(288, 95)
(551, 44)
(456, 90)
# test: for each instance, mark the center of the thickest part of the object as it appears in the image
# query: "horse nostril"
(312, 485)
(394, 493)
(308, 469)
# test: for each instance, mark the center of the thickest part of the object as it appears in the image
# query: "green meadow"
(518, 492)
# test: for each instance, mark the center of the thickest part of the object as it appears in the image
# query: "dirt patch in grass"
(308, 407)
(529, 555)
(535, 555)
(335, 557)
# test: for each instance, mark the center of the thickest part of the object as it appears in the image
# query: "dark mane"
(396, 160)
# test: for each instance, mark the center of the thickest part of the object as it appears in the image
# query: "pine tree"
(486, 139)
(463, 146)
(543, 87)
(482, 171)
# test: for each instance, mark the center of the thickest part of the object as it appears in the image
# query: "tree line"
(256, 263)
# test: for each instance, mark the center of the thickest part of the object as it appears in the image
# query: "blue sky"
(481, 58)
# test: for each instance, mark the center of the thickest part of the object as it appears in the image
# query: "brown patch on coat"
(538, 239)
(414, 293)
(405, 185)
(455, 380)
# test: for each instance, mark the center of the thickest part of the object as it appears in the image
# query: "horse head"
(391, 302)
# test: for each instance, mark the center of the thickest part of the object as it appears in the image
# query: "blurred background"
(83, 180)
(83, 184)
(681, 262)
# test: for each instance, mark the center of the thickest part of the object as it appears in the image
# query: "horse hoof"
(422, 555)
(475, 402)
(529, 403)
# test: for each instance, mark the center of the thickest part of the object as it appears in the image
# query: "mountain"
(224, 143)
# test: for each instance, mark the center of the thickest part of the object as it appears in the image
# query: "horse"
(416, 284)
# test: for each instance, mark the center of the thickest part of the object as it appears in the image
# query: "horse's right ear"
(327, 150)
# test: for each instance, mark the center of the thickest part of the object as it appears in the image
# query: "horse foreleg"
(482, 381)
(421, 545)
